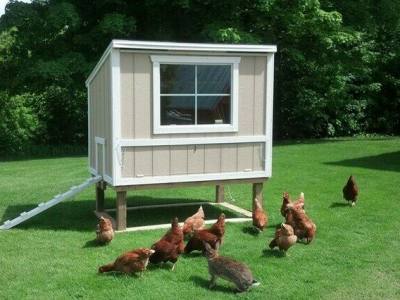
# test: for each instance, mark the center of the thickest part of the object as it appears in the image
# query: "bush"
(62, 114)
(19, 123)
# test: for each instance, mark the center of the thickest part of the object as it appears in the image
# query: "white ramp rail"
(46, 205)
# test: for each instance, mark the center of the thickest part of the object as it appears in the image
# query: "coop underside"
(120, 222)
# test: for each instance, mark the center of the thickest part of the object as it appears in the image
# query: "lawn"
(356, 253)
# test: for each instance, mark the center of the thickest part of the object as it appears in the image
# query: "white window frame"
(196, 60)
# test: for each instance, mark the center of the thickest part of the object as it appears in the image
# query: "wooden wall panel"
(127, 100)
(161, 161)
(259, 95)
(128, 162)
(196, 159)
(258, 157)
(143, 161)
(245, 157)
(142, 95)
(212, 160)
(178, 160)
(246, 95)
(228, 158)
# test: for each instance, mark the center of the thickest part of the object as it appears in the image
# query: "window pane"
(177, 110)
(213, 79)
(213, 109)
(177, 79)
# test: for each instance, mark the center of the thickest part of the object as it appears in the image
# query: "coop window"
(195, 94)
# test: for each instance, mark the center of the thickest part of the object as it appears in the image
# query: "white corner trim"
(269, 92)
(89, 131)
(192, 141)
(156, 96)
(197, 60)
(235, 97)
(185, 59)
(99, 64)
(116, 113)
(189, 178)
(201, 47)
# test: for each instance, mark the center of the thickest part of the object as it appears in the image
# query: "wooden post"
(100, 188)
(121, 210)
(258, 193)
(219, 193)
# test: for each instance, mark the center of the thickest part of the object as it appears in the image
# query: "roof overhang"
(171, 46)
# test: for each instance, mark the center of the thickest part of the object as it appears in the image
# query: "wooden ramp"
(46, 205)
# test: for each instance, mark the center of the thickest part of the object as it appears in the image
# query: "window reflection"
(177, 110)
(177, 79)
(213, 110)
(213, 79)
(195, 94)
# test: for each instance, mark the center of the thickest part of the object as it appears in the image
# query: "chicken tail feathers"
(106, 268)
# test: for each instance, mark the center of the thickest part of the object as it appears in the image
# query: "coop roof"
(171, 46)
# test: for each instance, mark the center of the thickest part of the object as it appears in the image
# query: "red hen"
(170, 246)
(212, 236)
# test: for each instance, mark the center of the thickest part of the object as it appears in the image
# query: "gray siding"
(184, 160)
(136, 123)
(136, 98)
(100, 115)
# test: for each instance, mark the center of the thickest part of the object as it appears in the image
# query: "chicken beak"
(152, 251)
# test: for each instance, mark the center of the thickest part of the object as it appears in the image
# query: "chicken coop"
(164, 114)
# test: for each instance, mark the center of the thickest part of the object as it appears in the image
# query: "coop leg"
(258, 193)
(100, 188)
(121, 210)
(219, 193)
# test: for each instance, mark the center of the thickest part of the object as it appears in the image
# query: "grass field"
(356, 254)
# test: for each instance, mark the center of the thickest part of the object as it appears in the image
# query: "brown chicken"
(303, 226)
(105, 231)
(170, 246)
(195, 222)
(129, 262)
(284, 238)
(350, 190)
(212, 236)
(285, 203)
(299, 203)
(260, 218)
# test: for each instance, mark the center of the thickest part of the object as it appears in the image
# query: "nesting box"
(175, 113)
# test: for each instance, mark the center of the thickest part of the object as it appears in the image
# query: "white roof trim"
(140, 45)
(99, 64)
(170, 46)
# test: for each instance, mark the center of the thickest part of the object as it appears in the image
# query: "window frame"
(195, 60)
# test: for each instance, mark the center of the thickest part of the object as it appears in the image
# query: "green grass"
(356, 254)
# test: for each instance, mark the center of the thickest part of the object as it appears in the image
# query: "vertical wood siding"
(184, 160)
(100, 115)
(137, 120)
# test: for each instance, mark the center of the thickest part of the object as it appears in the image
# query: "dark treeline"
(337, 66)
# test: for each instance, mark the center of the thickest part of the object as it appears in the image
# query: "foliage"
(337, 66)
(61, 112)
(19, 123)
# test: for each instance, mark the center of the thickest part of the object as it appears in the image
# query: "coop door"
(100, 155)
